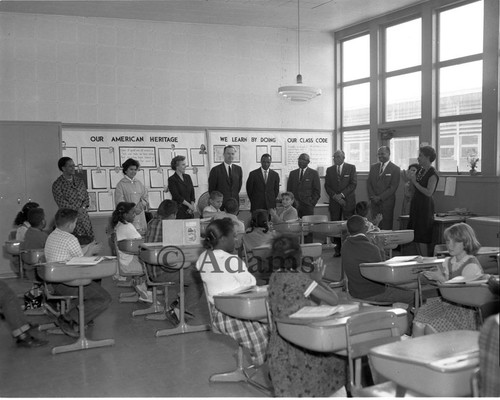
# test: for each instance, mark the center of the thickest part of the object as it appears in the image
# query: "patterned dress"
(73, 194)
(295, 371)
(133, 191)
(422, 209)
(443, 315)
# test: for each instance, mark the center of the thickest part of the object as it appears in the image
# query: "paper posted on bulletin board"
(283, 146)
(101, 152)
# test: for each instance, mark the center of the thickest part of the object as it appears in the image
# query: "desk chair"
(372, 302)
(485, 381)
(157, 311)
(240, 373)
(363, 332)
(13, 247)
(308, 222)
(203, 202)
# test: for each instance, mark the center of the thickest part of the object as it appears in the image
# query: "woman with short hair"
(181, 187)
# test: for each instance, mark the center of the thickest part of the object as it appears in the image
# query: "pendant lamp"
(299, 92)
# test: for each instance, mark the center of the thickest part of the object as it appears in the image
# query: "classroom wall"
(112, 71)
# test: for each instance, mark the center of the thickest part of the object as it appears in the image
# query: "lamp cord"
(298, 31)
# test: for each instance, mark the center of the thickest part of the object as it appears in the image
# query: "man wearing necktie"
(383, 181)
(304, 183)
(226, 177)
(263, 185)
(340, 184)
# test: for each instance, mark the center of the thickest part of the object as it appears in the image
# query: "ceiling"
(315, 15)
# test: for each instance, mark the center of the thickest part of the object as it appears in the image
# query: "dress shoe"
(172, 316)
(28, 341)
(68, 327)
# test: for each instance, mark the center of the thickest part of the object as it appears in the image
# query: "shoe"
(68, 327)
(146, 297)
(28, 341)
(172, 316)
(142, 290)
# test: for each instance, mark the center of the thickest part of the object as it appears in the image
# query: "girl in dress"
(21, 222)
(439, 315)
(122, 220)
(295, 371)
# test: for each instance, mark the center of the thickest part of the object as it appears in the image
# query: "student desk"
(440, 224)
(328, 335)
(79, 275)
(439, 365)
(392, 239)
(301, 229)
(157, 254)
(397, 272)
(250, 305)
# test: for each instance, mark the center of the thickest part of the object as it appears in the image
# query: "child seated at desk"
(363, 209)
(288, 212)
(438, 315)
(167, 210)
(214, 204)
(222, 271)
(297, 372)
(232, 209)
(21, 222)
(35, 236)
(62, 246)
(358, 249)
(122, 220)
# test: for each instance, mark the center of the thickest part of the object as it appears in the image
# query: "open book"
(323, 311)
(240, 290)
(85, 260)
(462, 279)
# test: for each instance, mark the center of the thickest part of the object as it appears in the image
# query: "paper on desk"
(84, 260)
(240, 290)
(464, 279)
(399, 259)
(450, 186)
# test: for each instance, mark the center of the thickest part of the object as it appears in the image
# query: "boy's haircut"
(231, 206)
(355, 224)
(65, 216)
(36, 217)
(361, 208)
(215, 194)
(289, 194)
(167, 208)
(463, 233)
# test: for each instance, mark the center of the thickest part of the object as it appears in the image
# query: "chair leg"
(236, 375)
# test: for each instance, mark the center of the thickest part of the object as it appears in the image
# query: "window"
(356, 146)
(460, 70)
(403, 61)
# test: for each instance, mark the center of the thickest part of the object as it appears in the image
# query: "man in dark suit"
(305, 185)
(340, 183)
(263, 185)
(226, 177)
(383, 181)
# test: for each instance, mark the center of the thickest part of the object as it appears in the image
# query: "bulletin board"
(101, 151)
(283, 146)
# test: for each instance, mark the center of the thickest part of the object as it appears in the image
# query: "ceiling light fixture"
(299, 92)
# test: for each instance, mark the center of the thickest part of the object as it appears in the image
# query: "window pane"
(356, 105)
(461, 31)
(404, 150)
(403, 97)
(356, 146)
(460, 89)
(458, 143)
(404, 45)
(356, 58)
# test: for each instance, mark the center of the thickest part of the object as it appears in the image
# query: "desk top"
(75, 275)
(442, 351)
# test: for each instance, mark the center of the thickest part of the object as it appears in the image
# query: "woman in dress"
(69, 191)
(222, 272)
(295, 371)
(181, 187)
(131, 190)
(424, 181)
(438, 315)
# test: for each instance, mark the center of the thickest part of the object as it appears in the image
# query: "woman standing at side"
(182, 189)
(131, 190)
(69, 191)
(424, 181)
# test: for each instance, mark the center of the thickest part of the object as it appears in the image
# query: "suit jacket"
(385, 187)
(308, 191)
(262, 194)
(181, 190)
(219, 180)
(346, 185)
